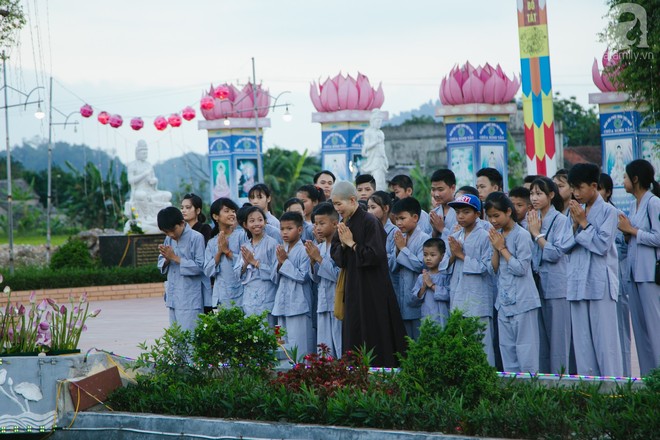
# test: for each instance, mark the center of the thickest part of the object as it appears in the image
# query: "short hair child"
(593, 276)
(528, 179)
(324, 273)
(489, 180)
(442, 218)
(296, 202)
(293, 299)
(519, 196)
(402, 186)
(408, 261)
(222, 251)
(365, 185)
(432, 286)
(183, 264)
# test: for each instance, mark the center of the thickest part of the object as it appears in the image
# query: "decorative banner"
(536, 87)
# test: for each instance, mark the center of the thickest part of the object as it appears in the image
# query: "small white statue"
(146, 200)
(374, 159)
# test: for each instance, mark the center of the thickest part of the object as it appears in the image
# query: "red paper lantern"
(207, 103)
(86, 111)
(221, 92)
(115, 121)
(103, 117)
(160, 123)
(188, 113)
(137, 123)
(174, 120)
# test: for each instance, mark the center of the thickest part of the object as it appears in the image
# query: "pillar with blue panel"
(234, 145)
(477, 138)
(341, 141)
(626, 135)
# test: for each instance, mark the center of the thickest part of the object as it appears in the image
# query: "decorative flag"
(536, 87)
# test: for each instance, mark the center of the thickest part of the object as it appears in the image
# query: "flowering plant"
(41, 327)
(135, 226)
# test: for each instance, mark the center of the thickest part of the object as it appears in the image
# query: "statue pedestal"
(341, 140)
(476, 138)
(625, 135)
(233, 152)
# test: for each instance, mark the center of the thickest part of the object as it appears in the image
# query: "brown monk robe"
(371, 312)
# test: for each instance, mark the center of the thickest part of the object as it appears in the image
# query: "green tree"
(517, 164)
(285, 171)
(580, 126)
(12, 20)
(640, 57)
(422, 186)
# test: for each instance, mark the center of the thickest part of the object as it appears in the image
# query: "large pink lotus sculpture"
(234, 103)
(605, 80)
(346, 93)
(482, 85)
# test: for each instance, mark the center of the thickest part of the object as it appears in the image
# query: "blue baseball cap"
(466, 200)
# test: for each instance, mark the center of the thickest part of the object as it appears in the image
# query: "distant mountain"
(427, 109)
(189, 172)
(34, 156)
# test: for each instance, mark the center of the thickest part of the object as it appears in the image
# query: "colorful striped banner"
(536, 87)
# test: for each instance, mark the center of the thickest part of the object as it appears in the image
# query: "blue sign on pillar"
(476, 138)
(624, 137)
(233, 156)
(341, 141)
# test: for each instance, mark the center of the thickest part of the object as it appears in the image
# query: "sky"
(148, 58)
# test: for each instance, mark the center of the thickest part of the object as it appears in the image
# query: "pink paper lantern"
(207, 103)
(103, 117)
(86, 111)
(188, 113)
(221, 92)
(160, 123)
(174, 120)
(137, 123)
(115, 121)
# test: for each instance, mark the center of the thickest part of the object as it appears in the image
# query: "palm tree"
(285, 171)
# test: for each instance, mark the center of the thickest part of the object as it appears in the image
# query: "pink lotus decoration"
(235, 103)
(137, 124)
(174, 120)
(115, 121)
(86, 111)
(160, 123)
(346, 93)
(188, 113)
(483, 85)
(606, 79)
(103, 117)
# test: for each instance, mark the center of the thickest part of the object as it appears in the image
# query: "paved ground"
(123, 324)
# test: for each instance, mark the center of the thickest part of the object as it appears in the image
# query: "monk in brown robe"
(371, 312)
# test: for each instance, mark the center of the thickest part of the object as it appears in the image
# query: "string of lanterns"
(137, 123)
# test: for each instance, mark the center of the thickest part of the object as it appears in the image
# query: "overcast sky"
(147, 58)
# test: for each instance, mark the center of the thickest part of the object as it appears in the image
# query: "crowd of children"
(555, 272)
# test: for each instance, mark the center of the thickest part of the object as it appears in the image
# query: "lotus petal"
(244, 106)
(457, 75)
(342, 93)
(606, 58)
(233, 92)
(606, 81)
(499, 90)
(329, 97)
(595, 75)
(454, 90)
(353, 94)
(448, 96)
(489, 90)
(315, 97)
(477, 88)
(29, 390)
(336, 80)
(441, 93)
(263, 103)
(379, 98)
(468, 98)
(366, 93)
(512, 87)
(499, 72)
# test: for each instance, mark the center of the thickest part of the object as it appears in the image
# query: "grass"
(56, 240)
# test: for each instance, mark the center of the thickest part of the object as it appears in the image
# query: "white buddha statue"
(374, 159)
(146, 199)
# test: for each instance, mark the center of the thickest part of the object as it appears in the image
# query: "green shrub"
(230, 338)
(73, 254)
(34, 278)
(448, 361)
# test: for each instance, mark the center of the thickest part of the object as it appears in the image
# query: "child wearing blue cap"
(470, 254)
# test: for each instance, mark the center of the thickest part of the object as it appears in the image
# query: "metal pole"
(256, 123)
(50, 170)
(10, 220)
